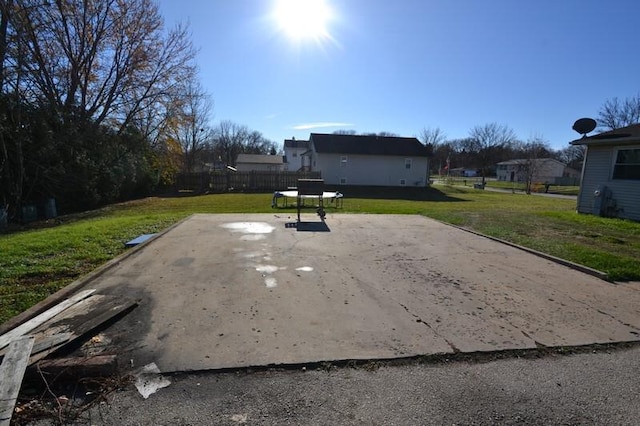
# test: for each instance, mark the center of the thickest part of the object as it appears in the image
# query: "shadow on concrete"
(308, 226)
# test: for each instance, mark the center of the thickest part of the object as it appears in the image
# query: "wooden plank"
(47, 343)
(83, 319)
(57, 324)
(11, 374)
(95, 366)
(28, 326)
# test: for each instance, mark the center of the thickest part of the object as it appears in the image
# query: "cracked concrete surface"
(226, 291)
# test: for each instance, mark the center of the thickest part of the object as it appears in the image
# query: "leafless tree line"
(100, 101)
(486, 145)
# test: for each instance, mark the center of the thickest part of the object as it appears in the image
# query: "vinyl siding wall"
(294, 158)
(598, 170)
(375, 170)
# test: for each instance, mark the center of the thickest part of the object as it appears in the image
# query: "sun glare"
(303, 19)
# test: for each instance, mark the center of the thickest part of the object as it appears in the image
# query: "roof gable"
(367, 145)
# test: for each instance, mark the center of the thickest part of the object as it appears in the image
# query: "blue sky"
(402, 65)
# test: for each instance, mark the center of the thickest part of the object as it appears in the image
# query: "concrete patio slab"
(226, 291)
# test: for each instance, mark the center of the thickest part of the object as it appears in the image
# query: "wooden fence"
(228, 181)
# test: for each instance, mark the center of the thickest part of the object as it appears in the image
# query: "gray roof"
(259, 159)
(368, 145)
(622, 136)
(294, 143)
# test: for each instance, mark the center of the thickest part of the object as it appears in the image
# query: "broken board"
(79, 321)
(75, 322)
(12, 370)
(26, 327)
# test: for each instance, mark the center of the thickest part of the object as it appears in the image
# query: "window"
(627, 165)
(343, 181)
(295, 154)
(343, 160)
(403, 182)
(407, 163)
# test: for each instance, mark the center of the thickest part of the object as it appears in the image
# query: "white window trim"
(615, 159)
(343, 160)
(408, 162)
(343, 181)
(403, 182)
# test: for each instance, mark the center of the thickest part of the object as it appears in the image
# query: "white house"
(293, 154)
(368, 160)
(259, 162)
(610, 183)
(541, 170)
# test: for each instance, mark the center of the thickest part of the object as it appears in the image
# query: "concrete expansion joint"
(421, 321)
(607, 314)
(618, 320)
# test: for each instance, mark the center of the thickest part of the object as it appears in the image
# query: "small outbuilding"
(611, 174)
(259, 163)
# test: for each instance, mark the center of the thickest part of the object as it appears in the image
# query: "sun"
(303, 19)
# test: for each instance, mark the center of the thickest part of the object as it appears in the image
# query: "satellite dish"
(584, 125)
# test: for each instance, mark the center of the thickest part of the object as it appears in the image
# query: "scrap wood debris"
(35, 348)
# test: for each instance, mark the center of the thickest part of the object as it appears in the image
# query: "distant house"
(571, 173)
(294, 154)
(258, 162)
(540, 170)
(611, 174)
(369, 160)
(462, 172)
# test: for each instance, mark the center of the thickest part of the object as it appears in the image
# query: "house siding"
(294, 158)
(598, 171)
(375, 170)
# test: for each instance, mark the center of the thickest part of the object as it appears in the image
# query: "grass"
(39, 260)
(511, 186)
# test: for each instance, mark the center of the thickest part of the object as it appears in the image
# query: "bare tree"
(572, 156)
(95, 80)
(6, 9)
(105, 60)
(231, 139)
(432, 136)
(257, 144)
(486, 142)
(228, 140)
(188, 124)
(616, 113)
(536, 154)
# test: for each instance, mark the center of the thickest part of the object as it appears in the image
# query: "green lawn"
(36, 262)
(511, 186)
